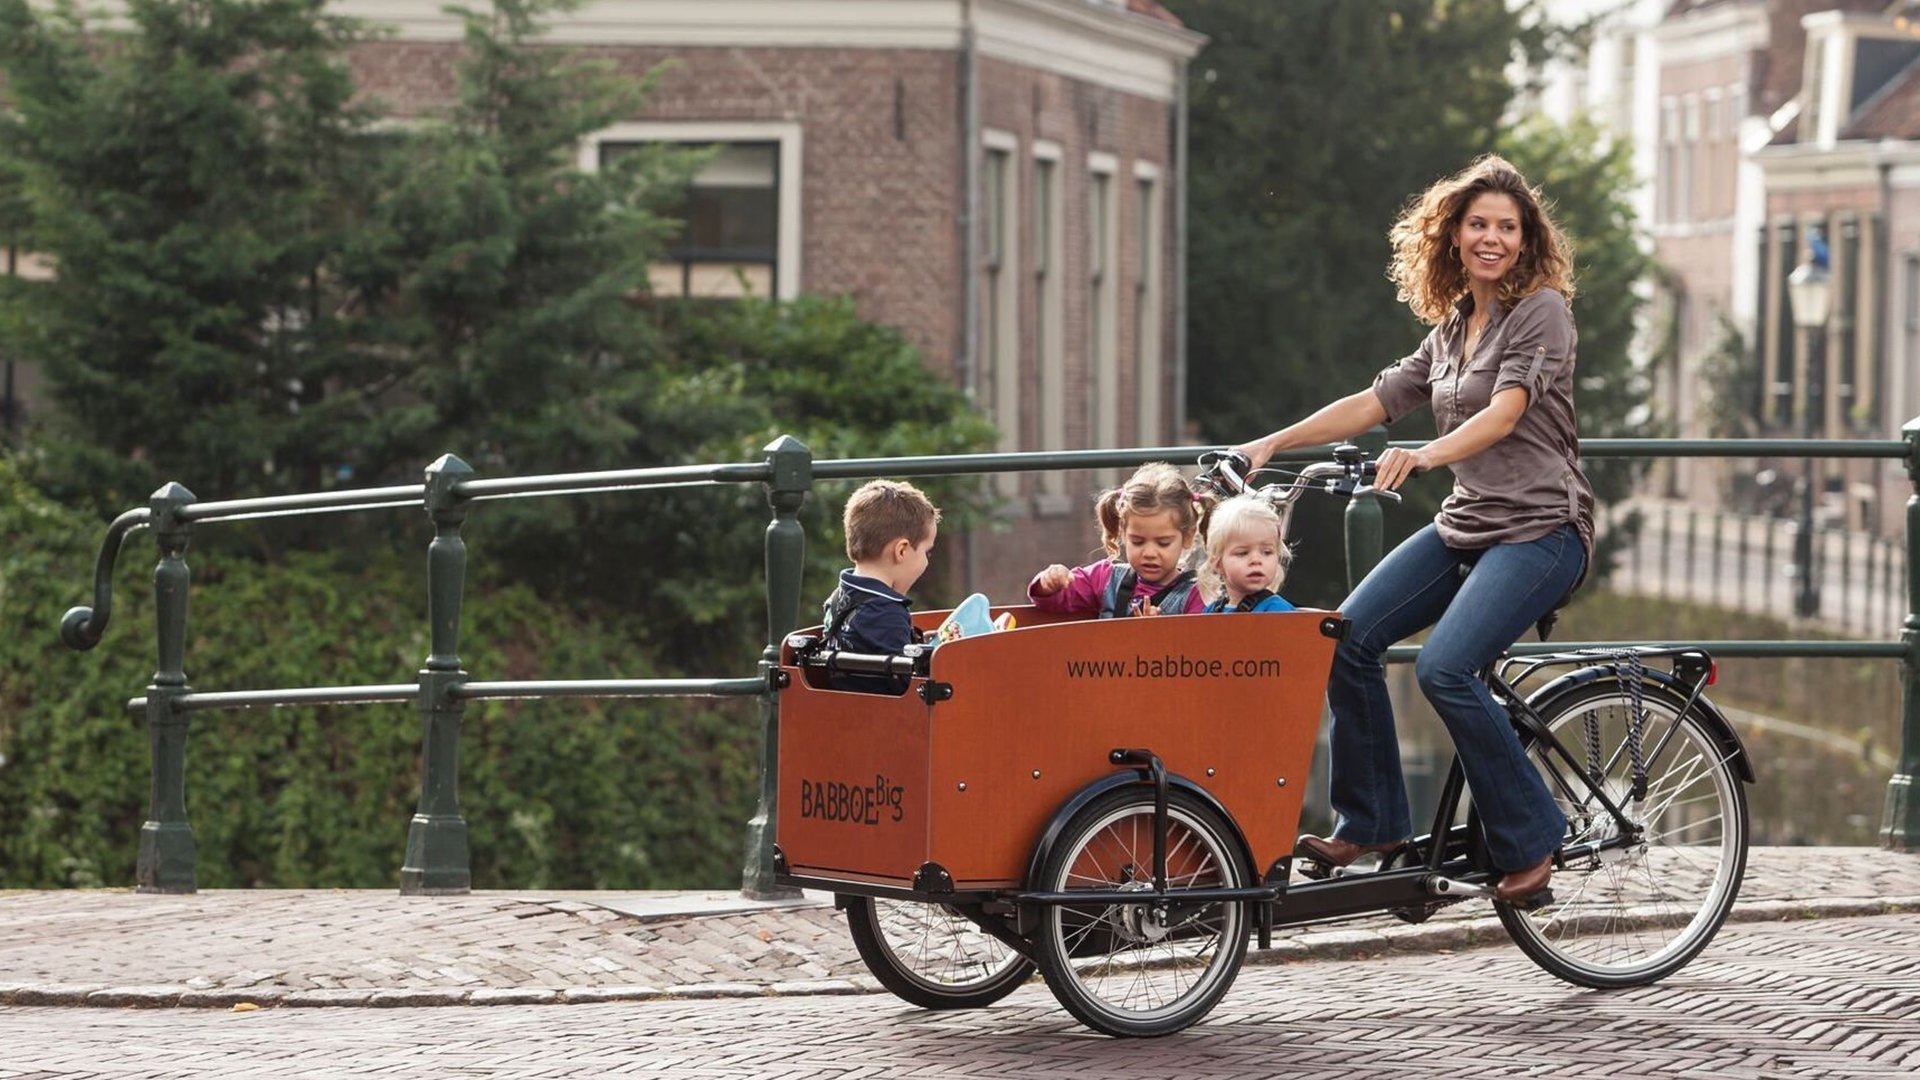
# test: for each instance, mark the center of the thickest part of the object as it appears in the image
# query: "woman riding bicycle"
(1477, 257)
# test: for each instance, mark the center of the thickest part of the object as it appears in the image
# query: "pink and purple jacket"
(1089, 584)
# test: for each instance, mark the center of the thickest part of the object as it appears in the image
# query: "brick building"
(1002, 179)
(1845, 161)
(1757, 121)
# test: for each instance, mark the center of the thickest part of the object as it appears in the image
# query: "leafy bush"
(557, 794)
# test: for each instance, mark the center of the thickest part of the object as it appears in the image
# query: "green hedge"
(557, 794)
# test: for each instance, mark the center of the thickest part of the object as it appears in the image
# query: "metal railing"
(437, 860)
(1687, 553)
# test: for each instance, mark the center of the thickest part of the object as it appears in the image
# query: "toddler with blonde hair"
(1247, 556)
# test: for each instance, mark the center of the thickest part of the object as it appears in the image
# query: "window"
(1909, 319)
(741, 219)
(1784, 346)
(1049, 349)
(1712, 177)
(1841, 378)
(1152, 428)
(1102, 290)
(1669, 161)
(730, 236)
(1623, 89)
(1000, 345)
(1687, 197)
(1857, 373)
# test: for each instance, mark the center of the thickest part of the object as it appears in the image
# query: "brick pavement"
(342, 947)
(1819, 999)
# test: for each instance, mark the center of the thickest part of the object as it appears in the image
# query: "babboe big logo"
(858, 804)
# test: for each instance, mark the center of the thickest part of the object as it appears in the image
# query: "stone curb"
(1325, 944)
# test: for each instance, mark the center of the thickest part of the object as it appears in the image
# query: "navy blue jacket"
(880, 623)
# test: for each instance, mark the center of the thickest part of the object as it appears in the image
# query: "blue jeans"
(1418, 585)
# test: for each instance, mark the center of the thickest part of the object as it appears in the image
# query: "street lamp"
(1810, 292)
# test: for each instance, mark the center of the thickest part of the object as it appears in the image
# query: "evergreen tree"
(193, 178)
(259, 290)
(269, 320)
(510, 278)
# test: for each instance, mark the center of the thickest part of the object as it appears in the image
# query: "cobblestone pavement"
(1825, 998)
(216, 949)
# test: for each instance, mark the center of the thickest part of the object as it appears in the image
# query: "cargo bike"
(1115, 803)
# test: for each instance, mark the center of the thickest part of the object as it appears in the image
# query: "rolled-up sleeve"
(1539, 345)
(1405, 385)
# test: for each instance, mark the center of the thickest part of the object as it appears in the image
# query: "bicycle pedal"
(1541, 899)
(1314, 869)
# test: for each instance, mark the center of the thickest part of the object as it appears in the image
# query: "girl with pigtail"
(1147, 527)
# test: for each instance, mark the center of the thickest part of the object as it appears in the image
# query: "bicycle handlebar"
(1349, 474)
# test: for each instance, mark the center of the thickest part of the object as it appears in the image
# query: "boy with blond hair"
(890, 529)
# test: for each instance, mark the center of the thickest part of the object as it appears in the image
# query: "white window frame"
(1713, 151)
(1050, 316)
(1898, 378)
(1669, 164)
(786, 133)
(1001, 290)
(1103, 308)
(1689, 152)
(1150, 222)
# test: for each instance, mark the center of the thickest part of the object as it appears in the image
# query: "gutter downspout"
(967, 372)
(1180, 256)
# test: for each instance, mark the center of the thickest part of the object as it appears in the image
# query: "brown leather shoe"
(1337, 852)
(1520, 886)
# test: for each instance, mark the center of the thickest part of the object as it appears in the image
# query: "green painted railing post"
(1363, 525)
(787, 488)
(437, 859)
(1901, 831)
(167, 850)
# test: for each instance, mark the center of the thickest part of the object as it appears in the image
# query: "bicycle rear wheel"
(933, 956)
(1629, 915)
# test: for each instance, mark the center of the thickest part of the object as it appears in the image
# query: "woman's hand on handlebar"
(1256, 452)
(1397, 465)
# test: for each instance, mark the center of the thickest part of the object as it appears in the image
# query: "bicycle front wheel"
(1142, 969)
(933, 956)
(1627, 914)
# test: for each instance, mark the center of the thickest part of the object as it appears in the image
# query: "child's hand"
(1052, 580)
(1143, 606)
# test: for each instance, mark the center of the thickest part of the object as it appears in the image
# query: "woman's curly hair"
(1427, 269)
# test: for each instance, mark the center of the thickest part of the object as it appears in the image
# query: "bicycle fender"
(1058, 822)
(1716, 723)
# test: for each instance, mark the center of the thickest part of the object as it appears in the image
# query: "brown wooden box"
(872, 787)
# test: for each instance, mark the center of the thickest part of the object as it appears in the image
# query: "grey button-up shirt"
(1529, 483)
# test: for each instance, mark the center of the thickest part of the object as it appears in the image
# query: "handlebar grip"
(1234, 458)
